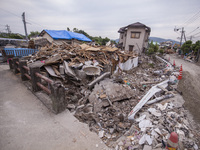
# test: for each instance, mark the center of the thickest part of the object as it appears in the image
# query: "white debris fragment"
(140, 118)
(154, 134)
(154, 112)
(145, 124)
(158, 131)
(181, 134)
(196, 147)
(101, 133)
(142, 140)
(145, 99)
(120, 143)
(162, 107)
(145, 138)
(171, 105)
(149, 139)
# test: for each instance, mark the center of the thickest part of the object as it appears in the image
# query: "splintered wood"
(79, 54)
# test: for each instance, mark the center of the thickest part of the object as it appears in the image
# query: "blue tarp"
(63, 34)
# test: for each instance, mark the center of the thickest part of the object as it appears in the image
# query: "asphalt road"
(26, 124)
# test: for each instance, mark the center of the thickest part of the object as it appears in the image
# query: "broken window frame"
(135, 35)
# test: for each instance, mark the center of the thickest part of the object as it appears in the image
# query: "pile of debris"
(103, 95)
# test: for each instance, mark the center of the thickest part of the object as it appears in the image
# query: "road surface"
(26, 124)
(189, 85)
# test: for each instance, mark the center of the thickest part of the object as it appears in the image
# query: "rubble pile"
(102, 95)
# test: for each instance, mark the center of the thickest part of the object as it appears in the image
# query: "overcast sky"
(103, 17)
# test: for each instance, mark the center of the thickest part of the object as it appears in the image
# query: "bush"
(161, 51)
(150, 51)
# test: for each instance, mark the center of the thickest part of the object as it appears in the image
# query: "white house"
(134, 37)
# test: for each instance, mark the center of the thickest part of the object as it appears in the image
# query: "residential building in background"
(60, 36)
(134, 37)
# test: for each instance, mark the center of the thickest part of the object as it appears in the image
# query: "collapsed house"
(119, 101)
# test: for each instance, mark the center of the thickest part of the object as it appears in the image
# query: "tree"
(153, 48)
(186, 47)
(11, 35)
(68, 29)
(196, 47)
(33, 34)
(99, 40)
(105, 40)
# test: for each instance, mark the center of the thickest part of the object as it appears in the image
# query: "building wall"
(49, 38)
(134, 41)
(122, 39)
(59, 41)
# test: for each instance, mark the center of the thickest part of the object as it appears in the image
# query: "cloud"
(99, 18)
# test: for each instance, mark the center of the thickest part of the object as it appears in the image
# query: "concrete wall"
(138, 43)
(134, 41)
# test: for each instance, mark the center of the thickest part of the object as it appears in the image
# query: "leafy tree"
(196, 47)
(153, 48)
(11, 35)
(68, 29)
(186, 47)
(33, 34)
(105, 40)
(75, 30)
(99, 40)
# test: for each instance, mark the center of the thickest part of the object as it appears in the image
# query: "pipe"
(29, 77)
(27, 68)
(43, 77)
(44, 88)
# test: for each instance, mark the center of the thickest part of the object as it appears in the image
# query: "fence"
(55, 90)
(19, 52)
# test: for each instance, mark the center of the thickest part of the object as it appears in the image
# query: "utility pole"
(24, 21)
(182, 36)
(8, 29)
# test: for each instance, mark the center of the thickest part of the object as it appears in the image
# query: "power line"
(193, 30)
(196, 34)
(194, 17)
(10, 12)
(20, 18)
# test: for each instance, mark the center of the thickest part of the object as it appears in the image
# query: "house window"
(122, 36)
(135, 35)
(131, 48)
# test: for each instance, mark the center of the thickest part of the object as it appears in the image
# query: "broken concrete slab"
(50, 70)
(53, 60)
(98, 79)
(69, 71)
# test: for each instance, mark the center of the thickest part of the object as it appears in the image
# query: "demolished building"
(102, 93)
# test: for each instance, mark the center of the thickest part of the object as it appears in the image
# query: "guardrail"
(19, 52)
(55, 90)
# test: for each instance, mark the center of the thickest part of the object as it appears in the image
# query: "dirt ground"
(189, 85)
